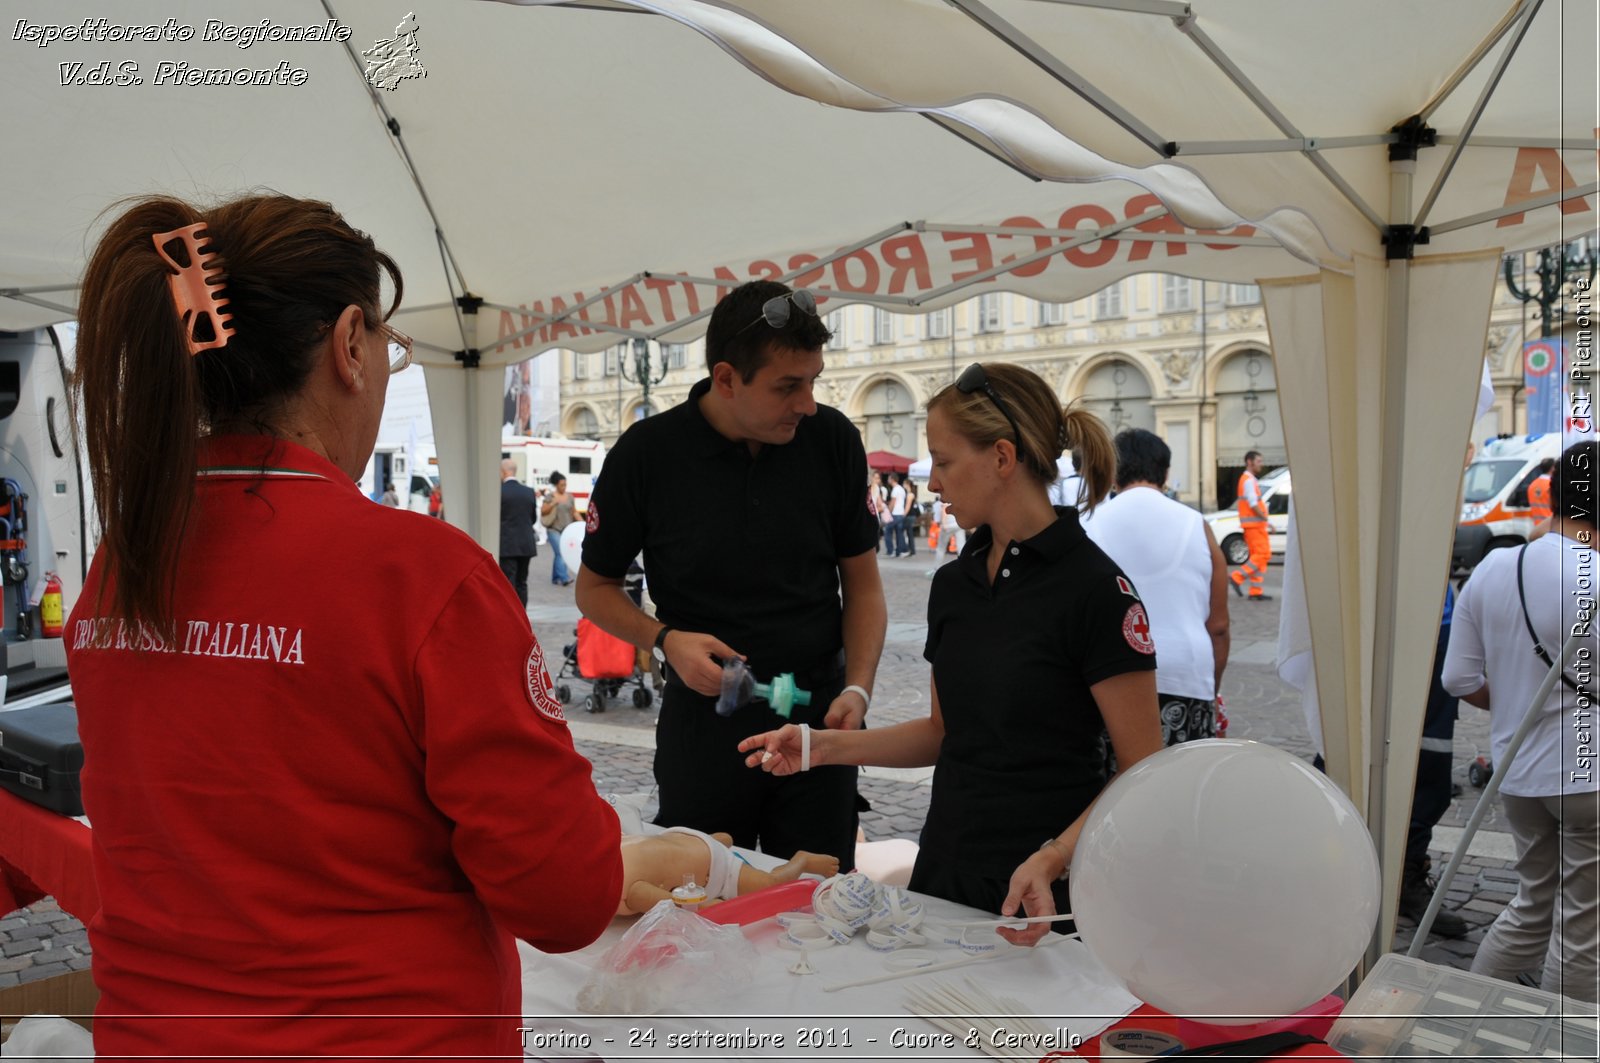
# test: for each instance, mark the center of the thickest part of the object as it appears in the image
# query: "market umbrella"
(887, 461)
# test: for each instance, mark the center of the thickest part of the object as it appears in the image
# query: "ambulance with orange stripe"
(1494, 497)
(579, 460)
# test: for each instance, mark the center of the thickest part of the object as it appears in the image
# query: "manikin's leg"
(804, 863)
(751, 880)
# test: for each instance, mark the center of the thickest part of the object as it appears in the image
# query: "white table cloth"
(1060, 985)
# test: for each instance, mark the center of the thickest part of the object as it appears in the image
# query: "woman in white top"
(1549, 791)
(878, 504)
(1167, 549)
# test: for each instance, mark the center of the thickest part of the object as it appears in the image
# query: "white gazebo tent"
(568, 175)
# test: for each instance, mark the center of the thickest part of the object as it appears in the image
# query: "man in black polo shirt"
(747, 503)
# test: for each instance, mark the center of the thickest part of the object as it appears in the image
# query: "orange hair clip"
(197, 287)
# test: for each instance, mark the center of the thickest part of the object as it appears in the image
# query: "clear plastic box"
(1409, 1008)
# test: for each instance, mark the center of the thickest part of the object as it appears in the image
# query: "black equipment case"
(40, 756)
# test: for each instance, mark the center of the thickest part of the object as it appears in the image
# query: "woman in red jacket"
(328, 785)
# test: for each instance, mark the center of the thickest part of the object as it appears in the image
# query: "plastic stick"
(947, 965)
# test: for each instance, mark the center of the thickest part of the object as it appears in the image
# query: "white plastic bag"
(41, 1037)
(670, 955)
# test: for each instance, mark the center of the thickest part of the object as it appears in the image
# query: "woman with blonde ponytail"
(1038, 643)
(328, 785)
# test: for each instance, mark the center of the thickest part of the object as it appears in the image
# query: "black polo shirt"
(1013, 663)
(744, 547)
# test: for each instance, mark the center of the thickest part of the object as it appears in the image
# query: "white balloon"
(572, 546)
(1227, 881)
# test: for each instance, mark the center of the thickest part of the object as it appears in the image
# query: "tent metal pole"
(1200, 409)
(1035, 53)
(1519, 207)
(543, 319)
(689, 278)
(842, 293)
(1476, 113)
(1168, 8)
(1502, 765)
(595, 326)
(984, 145)
(1071, 237)
(425, 308)
(1090, 237)
(392, 124)
(1473, 60)
(16, 294)
(475, 470)
(550, 319)
(597, 297)
(454, 278)
(1068, 234)
(844, 252)
(1190, 28)
(1256, 147)
(449, 352)
(1391, 489)
(825, 260)
(1558, 143)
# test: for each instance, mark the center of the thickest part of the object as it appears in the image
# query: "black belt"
(819, 676)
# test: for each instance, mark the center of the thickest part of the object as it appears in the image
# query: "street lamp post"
(1556, 269)
(643, 375)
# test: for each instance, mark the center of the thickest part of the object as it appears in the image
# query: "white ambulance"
(389, 464)
(579, 460)
(1494, 495)
(47, 520)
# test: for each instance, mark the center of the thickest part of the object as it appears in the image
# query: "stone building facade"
(1187, 359)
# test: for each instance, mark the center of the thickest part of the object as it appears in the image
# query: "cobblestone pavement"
(42, 941)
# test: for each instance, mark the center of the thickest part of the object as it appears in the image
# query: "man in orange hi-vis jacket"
(1539, 492)
(1253, 523)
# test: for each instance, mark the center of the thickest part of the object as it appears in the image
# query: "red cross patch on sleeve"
(1136, 629)
(541, 691)
(591, 520)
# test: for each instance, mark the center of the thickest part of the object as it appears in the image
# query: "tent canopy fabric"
(571, 175)
(1287, 173)
(886, 461)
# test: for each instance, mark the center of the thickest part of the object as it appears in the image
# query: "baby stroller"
(607, 662)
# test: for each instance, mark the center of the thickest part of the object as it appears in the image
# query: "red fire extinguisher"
(50, 606)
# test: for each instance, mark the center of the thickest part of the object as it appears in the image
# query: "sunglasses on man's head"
(973, 378)
(775, 311)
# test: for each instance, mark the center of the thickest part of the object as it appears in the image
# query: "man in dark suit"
(519, 508)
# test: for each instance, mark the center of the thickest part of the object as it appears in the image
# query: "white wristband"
(805, 748)
(865, 697)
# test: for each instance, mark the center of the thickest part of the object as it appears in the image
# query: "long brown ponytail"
(1087, 436)
(290, 267)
